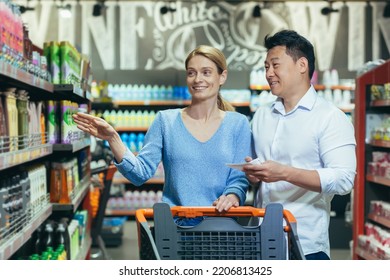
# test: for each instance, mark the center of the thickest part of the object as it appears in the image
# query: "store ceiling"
(260, 1)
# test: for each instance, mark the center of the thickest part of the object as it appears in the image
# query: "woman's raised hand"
(94, 125)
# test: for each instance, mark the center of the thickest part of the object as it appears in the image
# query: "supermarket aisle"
(129, 248)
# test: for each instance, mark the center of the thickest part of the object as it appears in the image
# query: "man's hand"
(269, 171)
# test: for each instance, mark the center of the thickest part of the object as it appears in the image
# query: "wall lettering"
(135, 35)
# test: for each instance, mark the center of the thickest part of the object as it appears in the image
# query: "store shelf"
(74, 147)
(77, 196)
(379, 219)
(380, 143)
(366, 189)
(152, 103)
(317, 87)
(16, 241)
(364, 254)
(380, 103)
(240, 103)
(15, 158)
(123, 180)
(131, 128)
(114, 212)
(23, 79)
(69, 88)
(70, 92)
(378, 180)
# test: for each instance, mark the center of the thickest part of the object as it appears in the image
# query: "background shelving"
(368, 187)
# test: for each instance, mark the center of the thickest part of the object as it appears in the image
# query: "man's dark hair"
(296, 45)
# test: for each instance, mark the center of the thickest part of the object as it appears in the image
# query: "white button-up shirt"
(315, 135)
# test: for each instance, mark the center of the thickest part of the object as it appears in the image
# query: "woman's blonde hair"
(216, 56)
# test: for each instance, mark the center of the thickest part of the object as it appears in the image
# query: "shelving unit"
(22, 235)
(348, 110)
(40, 90)
(21, 232)
(368, 187)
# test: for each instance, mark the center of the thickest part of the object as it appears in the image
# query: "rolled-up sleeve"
(338, 175)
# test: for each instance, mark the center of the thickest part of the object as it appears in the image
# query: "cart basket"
(218, 236)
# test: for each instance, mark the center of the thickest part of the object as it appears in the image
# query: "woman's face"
(203, 79)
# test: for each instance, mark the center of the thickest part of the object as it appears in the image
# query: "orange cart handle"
(200, 211)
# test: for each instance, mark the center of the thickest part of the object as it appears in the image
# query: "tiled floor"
(128, 250)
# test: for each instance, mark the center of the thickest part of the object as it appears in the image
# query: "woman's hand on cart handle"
(225, 202)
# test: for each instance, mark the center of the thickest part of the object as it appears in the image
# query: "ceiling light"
(167, 9)
(328, 10)
(256, 11)
(386, 10)
(98, 9)
(24, 9)
(65, 11)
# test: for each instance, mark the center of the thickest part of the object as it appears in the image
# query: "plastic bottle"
(138, 120)
(141, 92)
(163, 92)
(145, 118)
(148, 93)
(125, 138)
(334, 76)
(119, 118)
(140, 141)
(327, 79)
(123, 93)
(132, 118)
(3, 127)
(126, 118)
(26, 191)
(49, 236)
(62, 240)
(133, 142)
(152, 116)
(110, 90)
(169, 93)
(116, 92)
(136, 92)
(113, 117)
(38, 240)
(155, 92)
(129, 92)
(106, 115)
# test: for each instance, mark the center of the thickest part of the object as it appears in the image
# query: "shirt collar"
(307, 102)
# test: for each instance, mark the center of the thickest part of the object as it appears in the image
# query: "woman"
(194, 143)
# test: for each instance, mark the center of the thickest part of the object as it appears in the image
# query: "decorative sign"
(133, 35)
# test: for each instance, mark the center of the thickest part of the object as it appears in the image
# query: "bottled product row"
(128, 95)
(62, 239)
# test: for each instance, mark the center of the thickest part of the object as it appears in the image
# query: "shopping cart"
(218, 236)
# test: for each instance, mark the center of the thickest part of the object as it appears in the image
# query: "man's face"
(282, 72)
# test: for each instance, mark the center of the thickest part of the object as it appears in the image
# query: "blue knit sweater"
(195, 172)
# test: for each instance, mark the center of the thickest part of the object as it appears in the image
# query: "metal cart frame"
(218, 236)
(97, 223)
